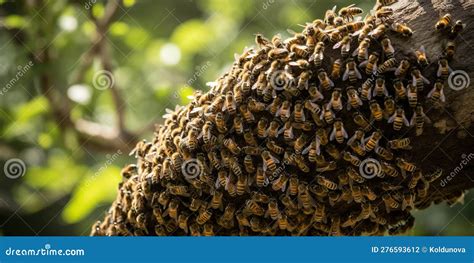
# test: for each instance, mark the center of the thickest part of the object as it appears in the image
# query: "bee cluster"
(296, 139)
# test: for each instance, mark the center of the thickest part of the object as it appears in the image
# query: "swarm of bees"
(278, 144)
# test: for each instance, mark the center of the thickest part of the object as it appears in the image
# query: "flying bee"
(354, 160)
(443, 69)
(402, 68)
(402, 29)
(378, 32)
(380, 89)
(330, 15)
(437, 93)
(232, 146)
(400, 91)
(418, 79)
(384, 153)
(262, 128)
(349, 12)
(388, 65)
(351, 73)
(336, 100)
(269, 161)
(361, 121)
(444, 22)
(376, 111)
(387, 47)
(373, 141)
(336, 69)
(389, 106)
(398, 144)
(325, 82)
(338, 132)
(404, 165)
(327, 114)
(362, 51)
(412, 95)
(318, 54)
(345, 45)
(399, 119)
(457, 28)
(300, 50)
(353, 98)
(421, 57)
(418, 120)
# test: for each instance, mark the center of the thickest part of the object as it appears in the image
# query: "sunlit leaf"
(14, 21)
(119, 29)
(128, 3)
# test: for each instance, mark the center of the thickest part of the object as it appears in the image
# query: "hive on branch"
(311, 135)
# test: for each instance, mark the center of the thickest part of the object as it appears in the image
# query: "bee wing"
(425, 80)
(211, 84)
(427, 120)
(405, 121)
(331, 83)
(385, 91)
(422, 49)
(363, 63)
(291, 31)
(306, 150)
(334, 8)
(337, 45)
(431, 93)
(442, 97)
(359, 76)
(346, 74)
(346, 47)
(344, 133)
(413, 119)
(391, 119)
(333, 134)
(414, 81)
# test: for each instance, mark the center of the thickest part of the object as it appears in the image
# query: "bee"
(300, 143)
(320, 213)
(353, 98)
(408, 201)
(373, 141)
(390, 170)
(276, 41)
(378, 32)
(354, 160)
(387, 47)
(301, 163)
(338, 132)
(383, 12)
(418, 120)
(278, 53)
(312, 150)
(284, 112)
(327, 114)
(388, 65)
(242, 184)
(220, 122)
(273, 129)
(351, 73)
(179, 190)
(269, 161)
(261, 41)
(366, 90)
(457, 28)
(402, 29)
(421, 57)
(260, 178)
(332, 150)
(437, 93)
(325, 82)
(402, 68)
(318, 54)
(345, 45)
(357, 194)
(330, 166)
(293, 183)
(450, 49)
(280, 183)
(246, 114)
(360, 120)
(400, 91)
(300, 50)
(312, 107)
(330, 15)
(322, 135)
(232, 146)
(336, 69)
(444, 22)
(362, 51)
(365, 31)
(256, 106)
(412, 94)
(336, 100)
(389, 202)
(389, 106)
(375, 110)
(299, 112)
(304, 197)
(384, 153)
(349, 12)
(418, 79)
(320, 35)
(371, 63)
(273, 210)
(288, 134)
(262, 128)
(220, 182)
(369, 194)
(248, 164)
(354, 175)
(380, 89)
(443, 69)
(404, 165)
(399, 119)
(385, 2)
(358, 136)
(397, 144)
(314, 93)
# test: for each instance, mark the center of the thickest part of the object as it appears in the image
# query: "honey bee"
(312, 150)
(300, 50)
(402, 29)
(320, 213)
(389, 202)
(450, 49)
(444, 22)
(385, 3)
(384, 153)
(357, 194)
(373, 140)
(344, 45)
(399, 119)
(280, 183)
(315, 93)
(349, 12)
(412, 94)
(389, 107)
(354, 175)
(320, 35)
(366, 90)
(375, 110)
(330, 166)
(242, 184)
(246, 114)
(336, 100)
(360, 120)
(325, 82)
(358, 136)
(300, 143)
(351, 73)
(378, 32)
(338, 132)
(248, 164)
(232, 146)
(362, 51)
(256, 106)
(220, 122)
(457, 28)
(444, 69)
(421, 57)
(262, 128)
(327, 114)
(269, 161)
(288, 134)
(364, 32)
(437, 93)
(318, 54)
(353, 98)
(284, 112)
(418, 120)
(274, 147)
(370, 64)
(273, 129)
(383, 12)
(387, 47)
(380, 89)
(299, 112)
(273, 210)
(304, 197)
(397, 144)
(402, 68)
(330, 15)
(418, 79)
(400, 91)
(336, 69)
(408, 201)
(180, 190)
(278, 53)
(354, 160)
(388, 65)
(404, 165)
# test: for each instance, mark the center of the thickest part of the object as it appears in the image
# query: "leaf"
(15, 21)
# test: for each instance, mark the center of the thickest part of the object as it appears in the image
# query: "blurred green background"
(62, 87)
